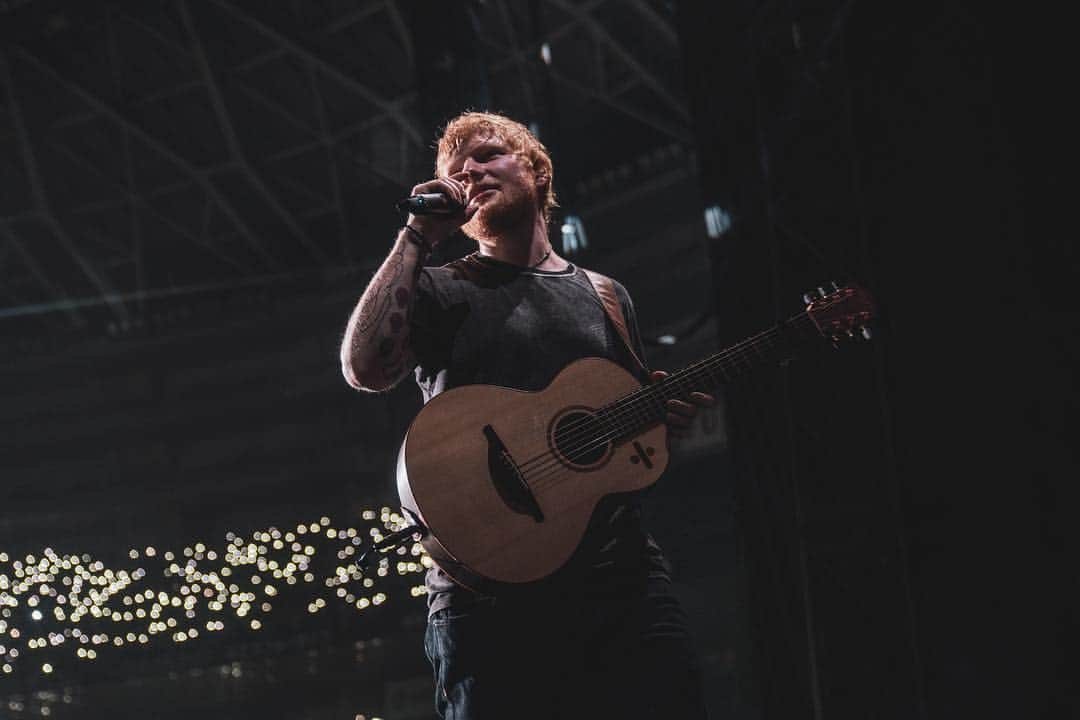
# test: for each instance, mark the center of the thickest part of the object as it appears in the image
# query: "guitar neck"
(644, 408)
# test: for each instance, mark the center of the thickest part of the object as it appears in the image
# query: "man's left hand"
(681, 413)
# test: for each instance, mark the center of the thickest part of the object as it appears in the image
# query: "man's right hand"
(436, 228)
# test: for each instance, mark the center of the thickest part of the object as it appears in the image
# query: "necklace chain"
(535, 265)
(541, 260)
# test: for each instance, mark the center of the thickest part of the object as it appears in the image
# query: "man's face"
(498, 181)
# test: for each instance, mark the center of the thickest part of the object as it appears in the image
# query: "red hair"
(516, 136)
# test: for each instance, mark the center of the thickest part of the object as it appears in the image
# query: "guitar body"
(506, 481)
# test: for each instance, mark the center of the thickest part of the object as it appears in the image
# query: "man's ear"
(541, 179)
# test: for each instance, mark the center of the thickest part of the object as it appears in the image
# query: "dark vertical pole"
(772, 677)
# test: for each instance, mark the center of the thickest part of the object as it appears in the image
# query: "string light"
(58, 607)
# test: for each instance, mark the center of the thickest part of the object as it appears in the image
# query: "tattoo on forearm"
(381, 322)
(371, 317)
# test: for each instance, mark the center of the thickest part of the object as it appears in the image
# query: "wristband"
(416, 237)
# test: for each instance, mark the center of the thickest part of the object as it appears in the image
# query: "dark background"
(938, 137)
(193, 195)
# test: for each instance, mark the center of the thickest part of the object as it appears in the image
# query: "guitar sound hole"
(579, 438)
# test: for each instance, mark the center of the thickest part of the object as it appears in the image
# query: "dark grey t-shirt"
(480, 321)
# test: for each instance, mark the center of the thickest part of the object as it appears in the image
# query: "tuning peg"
(834, 286)
(865, 331)
(821, 291)
(809, 297)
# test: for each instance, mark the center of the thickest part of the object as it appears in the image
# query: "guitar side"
(466, 454)
(506, 480)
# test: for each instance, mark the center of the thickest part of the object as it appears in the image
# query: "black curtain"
(905, 533)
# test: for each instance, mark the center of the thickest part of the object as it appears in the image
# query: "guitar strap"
(605, 289)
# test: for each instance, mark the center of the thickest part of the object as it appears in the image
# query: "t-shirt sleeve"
(434, 322)
(425, 301)
(424, 323)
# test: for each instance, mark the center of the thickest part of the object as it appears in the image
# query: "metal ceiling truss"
(162, 143)
(802, 97)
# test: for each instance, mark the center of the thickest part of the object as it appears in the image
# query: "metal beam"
(204, 222)
(233, 142)
(41, 197)
(305, 191)
(261, 59)
(201, 178)
(657, 22)
(39, 274)
(680, 133)
(161, 40)
(180, 291)
(390, 107)
(333, 173)
(342, 134)
(81, 118)
(351, 18)
(638, 192)
(142, 203)
(97, 206)
(237, 72)
(129, 168)
(602, 35)
(402, 30)
(512, 57)
(805, 78)
(281, 111)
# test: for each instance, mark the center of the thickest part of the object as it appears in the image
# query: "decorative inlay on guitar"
(505, 481)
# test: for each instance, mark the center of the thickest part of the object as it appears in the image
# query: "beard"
(504, 213)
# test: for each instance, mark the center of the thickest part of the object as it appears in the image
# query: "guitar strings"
(630, 416)
(637, 410)
(631, 403)
(680, 378)
(630, 419)
(630, 407)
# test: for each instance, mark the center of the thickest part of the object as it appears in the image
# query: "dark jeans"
(614, 652)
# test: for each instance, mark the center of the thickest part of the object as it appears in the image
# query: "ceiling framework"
(151, 147)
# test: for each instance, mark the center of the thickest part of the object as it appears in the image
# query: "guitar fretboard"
(631, 415)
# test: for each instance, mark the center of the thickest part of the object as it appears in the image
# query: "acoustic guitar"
(505, 481)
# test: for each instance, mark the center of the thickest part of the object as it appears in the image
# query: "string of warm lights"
(55, 608)
(43, 702)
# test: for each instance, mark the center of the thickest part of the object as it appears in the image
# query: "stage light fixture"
(717, 221)
(573, 235)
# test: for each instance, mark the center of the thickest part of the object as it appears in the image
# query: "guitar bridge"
(507, 478)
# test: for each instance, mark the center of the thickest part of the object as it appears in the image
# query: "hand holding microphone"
(437, 208)
(436, 203)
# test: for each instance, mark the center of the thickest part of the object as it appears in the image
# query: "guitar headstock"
(839, 311)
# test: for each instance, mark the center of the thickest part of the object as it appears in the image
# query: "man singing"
(607, 638)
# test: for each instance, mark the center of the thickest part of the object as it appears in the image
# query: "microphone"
(429, 204)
